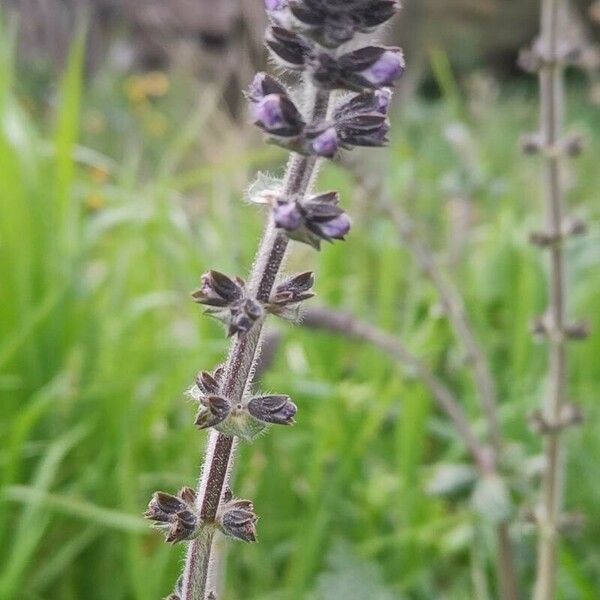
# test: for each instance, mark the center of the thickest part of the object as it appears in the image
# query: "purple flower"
(364, 130)
(386, 69)
(334, 229)
(384, 99)
(369, 102)
(322, 219)
(325, 144)
(274, 5)
(287, 216)
(268, 113)
(277, 115)
(370, 67)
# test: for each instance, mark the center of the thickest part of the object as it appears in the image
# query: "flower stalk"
(549, 57)
(307, 37)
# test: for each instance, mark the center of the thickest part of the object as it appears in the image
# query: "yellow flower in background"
(95, 202)
(140, 88)
(98, 175)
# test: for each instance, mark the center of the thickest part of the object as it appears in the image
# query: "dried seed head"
(571, 416)
(213, 410)
(207, 383)
(292, 291)
(227, 301)
(218, 290)
(175, 514)
(279, 410)
(237, 519)
(243, 315)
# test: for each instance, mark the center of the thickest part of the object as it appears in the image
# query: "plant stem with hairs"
(307, 38)
(549, 57)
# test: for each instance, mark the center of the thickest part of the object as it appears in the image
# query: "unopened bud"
(288, 47)
(279, 410)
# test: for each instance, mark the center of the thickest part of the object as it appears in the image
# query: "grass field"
(116, 194)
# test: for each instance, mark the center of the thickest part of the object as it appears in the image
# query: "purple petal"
(337, 228)
(287, 216)
(273, 5)
(386, 69)
(326, 144)
(384, 98)
(268, 112)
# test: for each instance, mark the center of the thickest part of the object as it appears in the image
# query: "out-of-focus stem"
(454, 308)
(551, 123)
(484, 381)
(197, 576)
(347, 325)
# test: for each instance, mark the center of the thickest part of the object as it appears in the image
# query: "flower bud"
(287, 216)
(227, 302)
(323, 143)
(290, 49)
(332, 23)
(322, 219)
(385, 65)
(277, 115)
(237, 519)
(364, 130)
(262, 85)
(175, 514)
(369, 102)
(371, 67)
(279, 410)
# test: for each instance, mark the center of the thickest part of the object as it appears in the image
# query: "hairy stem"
(552, 116)
(239, 370)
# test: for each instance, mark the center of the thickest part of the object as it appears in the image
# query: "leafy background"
(118, 192)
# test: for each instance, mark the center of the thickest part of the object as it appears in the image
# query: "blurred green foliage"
(115, 195)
